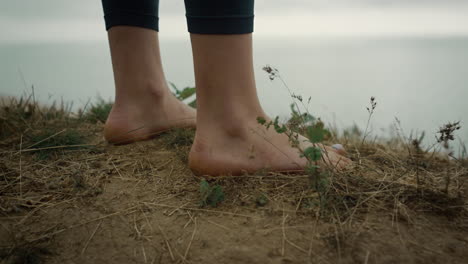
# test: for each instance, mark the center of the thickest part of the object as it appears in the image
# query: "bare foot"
(141, 118)
(252, 148)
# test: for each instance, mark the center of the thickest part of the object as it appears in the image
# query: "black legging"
(203, 16)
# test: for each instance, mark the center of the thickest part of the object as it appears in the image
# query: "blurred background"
(412, 55)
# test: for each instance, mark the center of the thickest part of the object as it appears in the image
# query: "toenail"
(338, 147)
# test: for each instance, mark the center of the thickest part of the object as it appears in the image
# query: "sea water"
(421, 81)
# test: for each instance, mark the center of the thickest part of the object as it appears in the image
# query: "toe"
(338, 148)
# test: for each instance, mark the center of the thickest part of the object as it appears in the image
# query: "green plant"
(20, 114)
(48, 141)
(313, 129)
(99, 111)
(210, 195)
(180, 140)
(417, 156)
(370, 110)
(297, 120)
(185, 93)
(180, 137)
(446, 134)
(261, 200)
(352, 132)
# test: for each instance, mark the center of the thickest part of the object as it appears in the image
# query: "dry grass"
(147, 182)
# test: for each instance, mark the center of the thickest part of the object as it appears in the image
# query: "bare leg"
(144, 106)
(228, 139)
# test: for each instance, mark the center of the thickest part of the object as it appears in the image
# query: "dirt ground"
(139, 203)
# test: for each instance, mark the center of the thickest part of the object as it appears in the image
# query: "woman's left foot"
(136, 119)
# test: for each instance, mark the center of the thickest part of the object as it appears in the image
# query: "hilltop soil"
(139, 203)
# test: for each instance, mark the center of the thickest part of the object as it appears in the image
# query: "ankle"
(227, 126)
(141, 91)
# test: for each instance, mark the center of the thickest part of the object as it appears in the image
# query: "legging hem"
(220, 24)
(120, 18)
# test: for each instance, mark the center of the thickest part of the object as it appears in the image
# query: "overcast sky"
(62, 20)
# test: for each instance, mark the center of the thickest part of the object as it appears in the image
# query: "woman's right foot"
(143, 117)
(250, 147)
(229, 140)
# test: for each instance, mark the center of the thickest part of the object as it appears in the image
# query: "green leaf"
(313, 153)
(193, 103)
(261, 200)
(210, 195)
(205, 191)
(279, 129)
(294, 112)
(175, 87)
(312, 169)
(316, 134)
(308, 118)
(186, 93)
(323, 182)
(261, 120)
(216, 196)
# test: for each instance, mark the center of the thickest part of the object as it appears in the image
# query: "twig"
(21, 168)
(54, 147)
(40, 207)
(338, 243)
(191, 239)
(164, 164)
(45, 139)
(144, 253)
(167, 243)
(190, 219)
(367, 257)
(138, 232)
(296, 246)
(118, 172)
(300, 200)
(284, 234)
(199, 209)
(91, 237)
(218, 225)
(82, 224)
